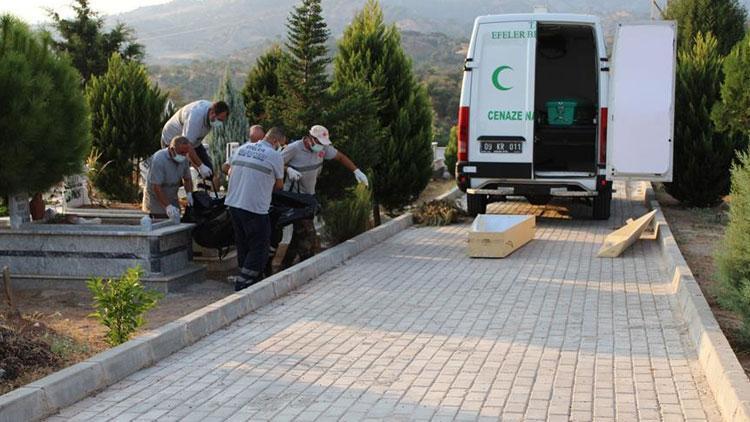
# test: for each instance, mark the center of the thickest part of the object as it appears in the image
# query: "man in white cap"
(304, 159)
(194, 121)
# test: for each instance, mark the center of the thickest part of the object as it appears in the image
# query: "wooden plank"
(619, 240)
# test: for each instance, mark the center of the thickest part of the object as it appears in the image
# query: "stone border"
(726, 378)
(48, 395)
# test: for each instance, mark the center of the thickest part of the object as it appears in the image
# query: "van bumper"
(466, 170)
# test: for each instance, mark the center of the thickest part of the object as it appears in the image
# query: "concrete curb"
(48, 395)
(725, 376)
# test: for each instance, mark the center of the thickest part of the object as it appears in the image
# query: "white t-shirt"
(309, 163)
(255, 168)
(191, 121)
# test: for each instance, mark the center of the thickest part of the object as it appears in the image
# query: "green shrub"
(733, 257)
(438, 213)
(347, 217)
(120, 304)
(3, 207)
(451, 152)
(702, 154)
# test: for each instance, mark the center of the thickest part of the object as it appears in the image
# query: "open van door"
(640, 125)
(502, 133)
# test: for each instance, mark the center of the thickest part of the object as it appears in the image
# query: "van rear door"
(502, 100)
(640, 125)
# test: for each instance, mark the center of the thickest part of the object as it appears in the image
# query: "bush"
(732, 113)
(44, 124)
(702, 155)
(733, 257)
(120, 304)
(127, 116)
(451, 152)
(723, 18)
(347, 217)
(438, 213)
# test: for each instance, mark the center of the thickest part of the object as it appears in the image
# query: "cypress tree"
(723, 18)
(262, 87)
(45, 123)
(732, 113)
(371, 52)
(302, 75)
(88, 45)
(733, 256)
(702, 155)
(234, 128)
(451, 151)
(127, 119)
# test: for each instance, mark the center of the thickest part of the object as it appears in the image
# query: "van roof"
(542, 17)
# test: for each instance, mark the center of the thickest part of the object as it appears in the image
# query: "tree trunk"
(375, 213)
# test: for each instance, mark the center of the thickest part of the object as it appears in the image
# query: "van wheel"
(476, 204)
(602, 203)
(539, 199)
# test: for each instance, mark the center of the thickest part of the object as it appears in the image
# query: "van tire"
(602, 203)
(476, 204)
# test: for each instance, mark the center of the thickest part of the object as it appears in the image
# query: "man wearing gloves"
(257, 170)
(194, 121)
(304, 160)
(168, 167)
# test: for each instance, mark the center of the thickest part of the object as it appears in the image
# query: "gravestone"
(18, 208)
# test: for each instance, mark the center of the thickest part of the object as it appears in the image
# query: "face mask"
(217, 124)
(316, 148)
(179, 158)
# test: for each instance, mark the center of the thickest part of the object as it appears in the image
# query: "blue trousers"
(252, 235)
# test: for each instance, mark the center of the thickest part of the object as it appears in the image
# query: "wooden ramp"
(619, 240)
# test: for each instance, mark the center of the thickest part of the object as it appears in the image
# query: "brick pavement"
(414, 330)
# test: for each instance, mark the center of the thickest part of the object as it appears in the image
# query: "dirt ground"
(697, 232)
(56, 330)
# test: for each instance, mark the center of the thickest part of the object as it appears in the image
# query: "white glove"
(205, 171)
(173, 213)
(190, 198)
(293, 174)
(361, 178)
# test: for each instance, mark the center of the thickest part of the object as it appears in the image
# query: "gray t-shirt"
(167, 173)
(255, 168)
(309, 163)
(191, 121)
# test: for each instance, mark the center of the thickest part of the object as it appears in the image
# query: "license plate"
(506, 147)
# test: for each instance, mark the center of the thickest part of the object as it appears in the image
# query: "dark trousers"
(203, 155)
(303, 244)
(252, 235)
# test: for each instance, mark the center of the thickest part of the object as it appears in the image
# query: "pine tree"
(733, 257)
(302, 75)
(88, 46)
(723, 18)
(45, 123)
(732, 113)
(234, 128)
(262, 87)
(356, 131)
(371, 52)
(702, 155)
(127, 119)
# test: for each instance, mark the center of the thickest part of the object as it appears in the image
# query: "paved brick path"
(414, 330)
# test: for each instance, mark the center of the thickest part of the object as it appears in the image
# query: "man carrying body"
(168, 167)
(304, 159)
(194, 121)
(257, 170)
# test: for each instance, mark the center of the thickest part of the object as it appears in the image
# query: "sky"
(32, 11)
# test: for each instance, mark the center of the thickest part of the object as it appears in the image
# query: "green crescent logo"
(496, 78)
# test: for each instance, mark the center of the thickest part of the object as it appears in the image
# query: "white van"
(544, 112)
